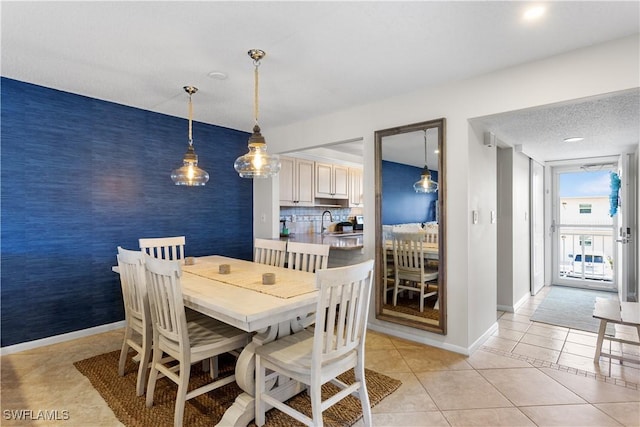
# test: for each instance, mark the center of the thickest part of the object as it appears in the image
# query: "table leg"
(242, 411)
(601, 331)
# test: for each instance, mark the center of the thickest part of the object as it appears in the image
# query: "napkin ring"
(268, 278)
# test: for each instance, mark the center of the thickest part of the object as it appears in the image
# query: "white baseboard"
(522, 300)
(418, 337)
(516, 306)
(61, 338)
(478, 343)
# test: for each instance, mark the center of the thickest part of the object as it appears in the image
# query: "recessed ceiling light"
(218, 75)
(533, 13)
(573, 139)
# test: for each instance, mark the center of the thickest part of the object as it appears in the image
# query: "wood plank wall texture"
(401, 203)
(81, 176)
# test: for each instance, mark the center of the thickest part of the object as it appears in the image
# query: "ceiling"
(322, 57)
(609, 124)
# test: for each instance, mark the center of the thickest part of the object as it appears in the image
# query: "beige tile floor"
(527, 374)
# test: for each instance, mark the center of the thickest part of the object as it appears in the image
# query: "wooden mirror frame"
(441, 328)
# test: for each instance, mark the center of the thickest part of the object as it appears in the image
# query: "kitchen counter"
(338, 241)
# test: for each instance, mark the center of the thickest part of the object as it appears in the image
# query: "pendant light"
(425, 184)
(190, 174)
(257, 163)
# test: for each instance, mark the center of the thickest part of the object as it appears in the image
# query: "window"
(585, 241)
(585, 208)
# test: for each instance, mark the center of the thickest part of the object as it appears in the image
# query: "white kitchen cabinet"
(296, 182)
(332, 181)
(355, 187)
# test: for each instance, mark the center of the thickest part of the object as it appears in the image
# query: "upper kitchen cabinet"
(332, 181)
(355, 187)
(296, 182)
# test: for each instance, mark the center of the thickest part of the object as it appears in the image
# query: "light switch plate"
(475, 216)
(493, 217)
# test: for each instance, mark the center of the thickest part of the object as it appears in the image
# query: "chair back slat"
(168, 248)
(270, 252)
(408, 252)
(431, 238)
(309, 257)
(342, 311)
(133, 283)
(167, 307)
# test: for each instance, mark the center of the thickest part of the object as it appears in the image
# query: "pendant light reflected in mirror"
(257, 163)
(190, 174)
(425, 184)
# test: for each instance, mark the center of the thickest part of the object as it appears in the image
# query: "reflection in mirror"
(410, 225)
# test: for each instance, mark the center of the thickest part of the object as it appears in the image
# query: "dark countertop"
(342, 241)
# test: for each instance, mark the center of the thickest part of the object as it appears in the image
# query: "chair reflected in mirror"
(410, 268)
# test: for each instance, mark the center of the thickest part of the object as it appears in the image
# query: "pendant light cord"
(255, 94)
(425, 148)
(190, 119)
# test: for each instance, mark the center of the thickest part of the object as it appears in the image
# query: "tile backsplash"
(307, 220)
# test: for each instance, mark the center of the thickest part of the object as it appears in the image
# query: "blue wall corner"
(81, 176)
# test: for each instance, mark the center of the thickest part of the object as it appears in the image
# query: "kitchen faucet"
(323, 229)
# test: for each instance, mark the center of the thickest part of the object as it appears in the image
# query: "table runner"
(247, 274)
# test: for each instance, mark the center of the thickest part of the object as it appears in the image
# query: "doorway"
(584, 252)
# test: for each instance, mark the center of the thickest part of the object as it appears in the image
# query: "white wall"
(505, 229)
(521, 228)
(482, 243)
(514, 239)
(266, 214)
(636, 160)
(470, 175)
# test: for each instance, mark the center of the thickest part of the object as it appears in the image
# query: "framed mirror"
(410, 197)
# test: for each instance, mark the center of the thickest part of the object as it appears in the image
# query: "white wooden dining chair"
(409, 264)
(169, 248)
(270, 252)
(138, 331)
(307, 256)
(187, 342)
(388, 271)
(335, 346)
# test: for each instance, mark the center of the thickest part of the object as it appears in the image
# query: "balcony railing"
(586, 253)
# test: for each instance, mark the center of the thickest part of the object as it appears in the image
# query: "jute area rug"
(411, 306)
(207, 409)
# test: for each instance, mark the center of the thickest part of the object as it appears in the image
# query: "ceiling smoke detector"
(218, 75)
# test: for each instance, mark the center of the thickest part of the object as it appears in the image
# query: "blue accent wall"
(81, 176)
(400, 203)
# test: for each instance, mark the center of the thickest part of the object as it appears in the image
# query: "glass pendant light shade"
(425, 184)
(257, 163)
(190, 174)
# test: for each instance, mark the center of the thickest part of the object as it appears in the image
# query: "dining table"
(235, 294)
(430, 250)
